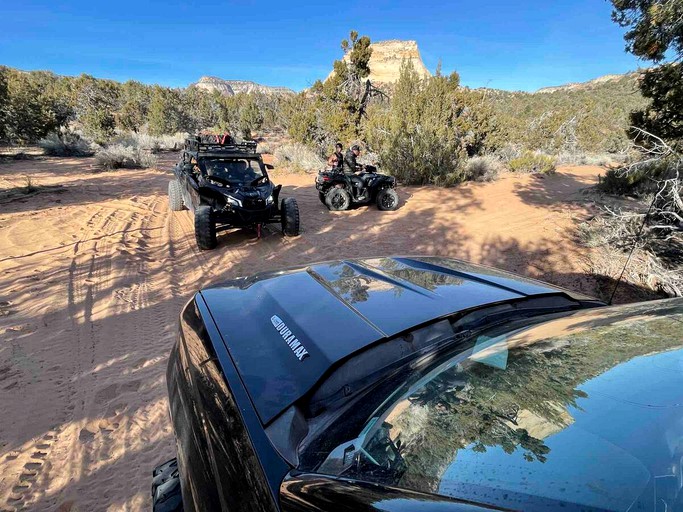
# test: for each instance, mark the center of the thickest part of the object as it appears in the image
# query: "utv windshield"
(234, 172)
(581, 413)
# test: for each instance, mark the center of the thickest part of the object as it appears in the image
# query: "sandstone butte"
(387, 57)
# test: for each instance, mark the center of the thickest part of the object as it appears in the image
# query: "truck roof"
(286, 330)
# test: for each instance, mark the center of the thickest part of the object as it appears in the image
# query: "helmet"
(355, 147)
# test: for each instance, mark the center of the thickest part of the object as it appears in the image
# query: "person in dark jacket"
(351, 166)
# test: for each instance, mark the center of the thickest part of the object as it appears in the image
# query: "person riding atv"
(339, 188)
(351, 167)
(336, 160)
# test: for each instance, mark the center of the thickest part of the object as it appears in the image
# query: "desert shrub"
(658, 261)
(66, 143)
(484, 168)
(151, 143)
(165, 113)
(171, 142)
(508, 151)
(367, 157)
(637, 178)
(29, 185)
(96, 102)
(31, 105)
(616, 182)
(251, 118)
(584, 158)
(530, 162)
(430, 129)
(298, 157)
(265, 147)
(118, 156)
(592, 117)
(450, 179)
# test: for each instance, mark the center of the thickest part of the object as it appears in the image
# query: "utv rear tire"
(175, 196)
(205, 228)
(289, 210)
(337, 199)
(387, 199)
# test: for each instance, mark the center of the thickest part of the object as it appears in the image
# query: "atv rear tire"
(289, 210)
(205, 228)
(321, 196)
(337, 199)
(387, 199)
(175, 196)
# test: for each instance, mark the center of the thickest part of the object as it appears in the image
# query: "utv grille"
(254, 204)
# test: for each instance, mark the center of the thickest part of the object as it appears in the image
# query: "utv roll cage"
(217, 146)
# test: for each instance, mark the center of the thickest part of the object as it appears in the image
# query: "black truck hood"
(285, 330)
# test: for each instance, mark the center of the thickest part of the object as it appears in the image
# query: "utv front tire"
(205, 228)
(387, 199)
(289, 210)
(175, 196)
(337, 199)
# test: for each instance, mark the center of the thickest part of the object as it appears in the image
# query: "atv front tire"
(387, 199)
(205, 228)
(289, 210)
(337, 199)
(175, 196)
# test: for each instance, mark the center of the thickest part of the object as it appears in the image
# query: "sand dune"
(93, 276)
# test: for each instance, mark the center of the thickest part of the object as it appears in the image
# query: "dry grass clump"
(657, 261)
(118, 156)
(151, 143)
(297, 157)
(583, 158)
(265, 147)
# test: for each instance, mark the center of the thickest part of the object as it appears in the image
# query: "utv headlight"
(234, 202)
(269, 200)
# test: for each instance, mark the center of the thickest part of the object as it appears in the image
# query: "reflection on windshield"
(587, 419)
(238, 172)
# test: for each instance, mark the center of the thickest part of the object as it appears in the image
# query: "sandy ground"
(93, 276)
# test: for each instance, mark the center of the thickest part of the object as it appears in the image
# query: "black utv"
(339, 191)
(226, 185)
(422, 384)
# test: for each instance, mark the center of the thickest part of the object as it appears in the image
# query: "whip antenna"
(633, 248)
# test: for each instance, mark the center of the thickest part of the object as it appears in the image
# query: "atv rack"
(223, 144)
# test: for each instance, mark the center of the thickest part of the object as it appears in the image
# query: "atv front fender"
(276, 195)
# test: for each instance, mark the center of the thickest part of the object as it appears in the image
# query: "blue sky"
(497, 43)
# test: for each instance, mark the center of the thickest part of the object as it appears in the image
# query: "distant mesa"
(232, 87)
(575, 86)
(387, 57)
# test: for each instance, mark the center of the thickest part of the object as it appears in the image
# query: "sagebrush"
(298, 157)
(118, 156)
(65, 142)
(484, 168)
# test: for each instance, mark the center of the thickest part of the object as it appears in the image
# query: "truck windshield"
(237, 172)
(580, 413)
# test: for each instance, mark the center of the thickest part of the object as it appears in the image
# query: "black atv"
(226, 185)
(338, 191)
